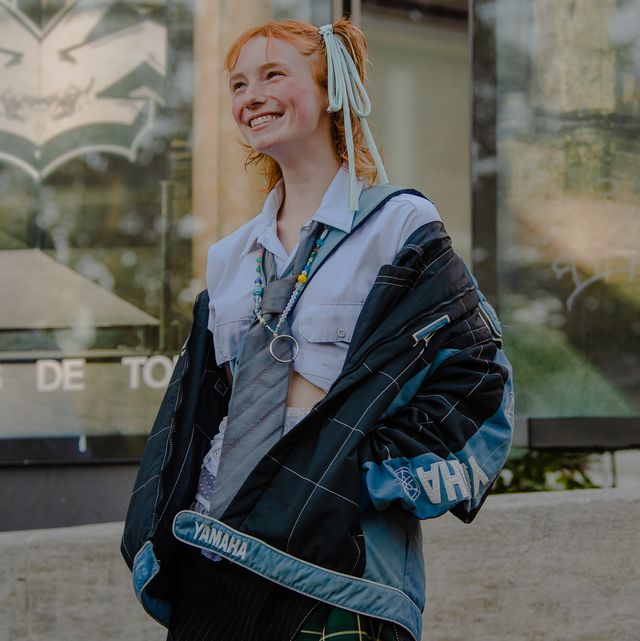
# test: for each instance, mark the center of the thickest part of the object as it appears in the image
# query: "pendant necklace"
(301, 281)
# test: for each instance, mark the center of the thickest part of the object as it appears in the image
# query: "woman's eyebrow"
(263, 67)
(273, 63)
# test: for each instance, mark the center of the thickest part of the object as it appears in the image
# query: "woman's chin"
(263, 146)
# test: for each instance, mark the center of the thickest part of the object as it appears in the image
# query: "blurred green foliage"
(553, 379)
(537, 471)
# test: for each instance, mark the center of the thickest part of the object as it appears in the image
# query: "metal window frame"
(72, 450)
(352, 8)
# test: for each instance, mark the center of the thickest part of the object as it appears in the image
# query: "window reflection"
(104, 146)
(568, 145)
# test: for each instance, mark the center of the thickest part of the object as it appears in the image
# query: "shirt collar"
(333, 210)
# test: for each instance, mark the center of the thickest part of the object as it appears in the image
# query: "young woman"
(350, 382)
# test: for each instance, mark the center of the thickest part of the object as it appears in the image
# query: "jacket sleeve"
(443, 448)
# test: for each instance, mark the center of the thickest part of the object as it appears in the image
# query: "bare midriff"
(302, 393)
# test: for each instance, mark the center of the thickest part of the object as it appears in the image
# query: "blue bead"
(319, 242)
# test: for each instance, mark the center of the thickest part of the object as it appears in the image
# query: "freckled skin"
(273, 77)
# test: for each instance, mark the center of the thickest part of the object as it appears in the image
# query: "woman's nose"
(252, 97)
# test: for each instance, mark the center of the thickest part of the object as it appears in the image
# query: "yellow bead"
(302, 279)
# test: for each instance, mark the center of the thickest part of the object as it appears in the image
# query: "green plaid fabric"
(341, 625)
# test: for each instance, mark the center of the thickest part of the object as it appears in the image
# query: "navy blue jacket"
(418, 423)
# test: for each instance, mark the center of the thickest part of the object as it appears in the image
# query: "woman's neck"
(305, 183)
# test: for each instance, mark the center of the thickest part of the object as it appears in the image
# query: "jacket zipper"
(185, 353)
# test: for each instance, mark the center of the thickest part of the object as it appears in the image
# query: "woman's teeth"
(258, 121)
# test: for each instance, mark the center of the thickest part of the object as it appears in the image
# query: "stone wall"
(532, 567)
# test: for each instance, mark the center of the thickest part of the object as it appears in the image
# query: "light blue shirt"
(325, 315)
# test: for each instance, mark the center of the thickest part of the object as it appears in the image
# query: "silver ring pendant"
(294, 346)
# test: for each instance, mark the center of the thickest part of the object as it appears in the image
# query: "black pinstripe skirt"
(222, 601)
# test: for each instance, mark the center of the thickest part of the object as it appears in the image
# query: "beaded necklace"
(301, 281)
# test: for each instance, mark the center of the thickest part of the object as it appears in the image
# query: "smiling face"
(277, 104)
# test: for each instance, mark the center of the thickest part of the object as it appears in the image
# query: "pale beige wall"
(419, 88)
(224, 194)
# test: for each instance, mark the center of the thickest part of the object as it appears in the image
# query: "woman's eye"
(271, 74)
(237, 85)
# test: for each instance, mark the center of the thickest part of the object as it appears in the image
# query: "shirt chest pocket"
(227, 338)
(329, 322)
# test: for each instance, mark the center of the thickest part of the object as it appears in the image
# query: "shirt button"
(341, 333)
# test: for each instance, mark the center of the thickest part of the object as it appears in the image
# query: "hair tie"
(345, 90)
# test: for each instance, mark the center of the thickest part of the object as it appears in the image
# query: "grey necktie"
(260, 386)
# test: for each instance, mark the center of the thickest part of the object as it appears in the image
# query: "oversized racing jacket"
(418, 423)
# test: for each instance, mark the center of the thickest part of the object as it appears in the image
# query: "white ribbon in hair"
(345, 89)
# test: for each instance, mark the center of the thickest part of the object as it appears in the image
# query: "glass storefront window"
(93, 258)
(567, 99)
(113, 124)
(119, 164)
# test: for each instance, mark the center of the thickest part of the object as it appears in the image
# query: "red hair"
(307, 39)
